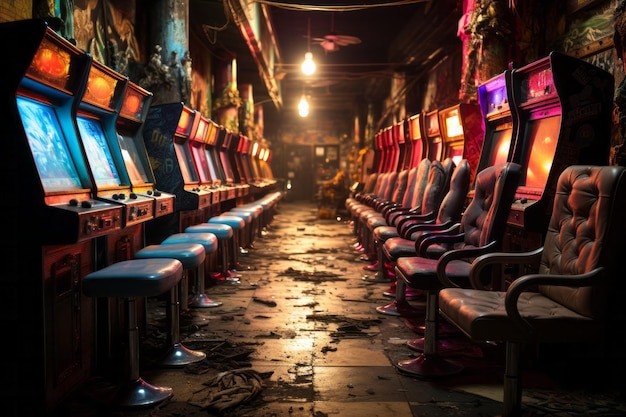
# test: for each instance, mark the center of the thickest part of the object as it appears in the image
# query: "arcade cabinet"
(53, 220)
(96, 119)
(417, 139)
(132, 115)
(494, 97)
(563, 107)
(462, 134)
(204, 165)
(433, 136)
(166, 133)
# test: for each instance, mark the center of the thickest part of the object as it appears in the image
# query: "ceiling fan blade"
(345, 40)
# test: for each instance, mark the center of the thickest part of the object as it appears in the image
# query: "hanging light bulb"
(303, 107)
(308, 65)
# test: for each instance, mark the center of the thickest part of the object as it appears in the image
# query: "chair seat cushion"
(221, 231)
(208, 240)
(245, 215)
(421, 272)
(374, 222)
(189, 254)
(382, 233)
(482, 315)
(134, 278)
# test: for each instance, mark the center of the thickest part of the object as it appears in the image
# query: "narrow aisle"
(299, 336)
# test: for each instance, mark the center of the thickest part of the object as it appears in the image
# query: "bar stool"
(246, 234)
(238, 225)
(191, 255)
(257, 211)
(129, 280)
(209, 242)
(224, 233)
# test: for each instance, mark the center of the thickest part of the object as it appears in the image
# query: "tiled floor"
(323, 350)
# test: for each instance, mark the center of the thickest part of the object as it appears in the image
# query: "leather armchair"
(578, 289)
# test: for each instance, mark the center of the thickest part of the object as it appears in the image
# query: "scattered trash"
(232, 388)
(270, 303)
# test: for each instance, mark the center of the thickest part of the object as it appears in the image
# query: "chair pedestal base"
(137, 393)
(202, 300)
(178, 355)
(399, 308)
(430, 366)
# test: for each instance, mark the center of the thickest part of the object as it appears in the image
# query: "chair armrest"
(518, 258)
(527, 281)
(462, 253)
(392, 208)
(420, 227)
(449, 235)
(417, 218)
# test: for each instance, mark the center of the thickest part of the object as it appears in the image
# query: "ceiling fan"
(332, 41)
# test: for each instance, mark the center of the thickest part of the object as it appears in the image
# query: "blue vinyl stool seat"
(257, 211)
(247, 234)
(238, 225)
(128, 280)
(224, 233)
(209, 241)
(191, 255)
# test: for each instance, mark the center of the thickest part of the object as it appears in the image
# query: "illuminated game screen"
(201, 163)
(52, 157)
(185, 161)
(500, 145)
(228, 171)
(544, 137)
(132, 159)
(211, 164)
(98, 152)
(453, 125)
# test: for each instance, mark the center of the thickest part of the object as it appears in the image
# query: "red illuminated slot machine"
(253, 157)
(48, 190)
(433, 135)
(129, 126)
(563, 109)
(96, 120)
(462, 134)
(214, 162)
(416, 138)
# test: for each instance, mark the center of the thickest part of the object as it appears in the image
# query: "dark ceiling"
(408, 36)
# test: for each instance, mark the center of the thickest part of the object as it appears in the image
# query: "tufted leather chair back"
(400, 187)
(587, 230)
(437, 186)
(485, 217)
(451, 208)
(408, 195)
(421, 180)
(370, 183)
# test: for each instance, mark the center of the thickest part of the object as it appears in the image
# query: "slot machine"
(129, 126)
(214, 162)
(563, 107)
(243, 153)
(462, 134)
(253, 157)
(166, 133)
(96, 119)
(417, 139)
(433, 135)
(49, 190)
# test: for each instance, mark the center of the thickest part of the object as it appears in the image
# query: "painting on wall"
(106, 29)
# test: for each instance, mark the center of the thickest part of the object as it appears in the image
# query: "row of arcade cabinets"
(82, 189)
(550, 114)
(208, 168)
(455, 132)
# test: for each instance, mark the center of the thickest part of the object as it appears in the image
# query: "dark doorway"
(300, 178)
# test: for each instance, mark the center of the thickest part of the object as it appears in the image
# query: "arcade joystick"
(73, 202)
(85, 204)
